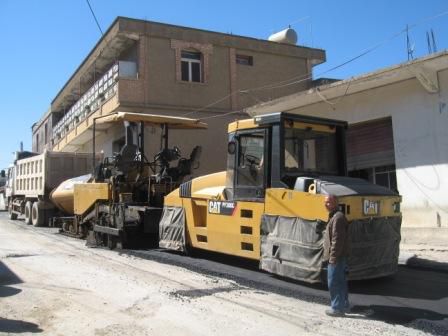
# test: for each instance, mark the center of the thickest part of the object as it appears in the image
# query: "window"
(191, 66)
(244, 60)
(310, 151)
(384, 176)
(46, 133)
(250, 171)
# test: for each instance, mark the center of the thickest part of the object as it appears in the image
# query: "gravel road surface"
(55, 285)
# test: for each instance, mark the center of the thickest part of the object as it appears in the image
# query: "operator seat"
(186, 166)
(126, 157)
(193, 162)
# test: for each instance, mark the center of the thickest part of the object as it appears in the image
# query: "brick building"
(148, 67)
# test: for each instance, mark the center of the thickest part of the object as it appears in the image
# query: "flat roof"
(424, 69)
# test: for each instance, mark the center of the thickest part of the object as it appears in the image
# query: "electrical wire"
(304, 77)
(222, 115)
(212, 104)
(94, 16)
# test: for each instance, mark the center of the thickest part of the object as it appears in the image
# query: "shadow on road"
(6, 291)
(402, 315)
(422, 263)
(8, 277)
(409, 283)
(18, 326)
(398, 315)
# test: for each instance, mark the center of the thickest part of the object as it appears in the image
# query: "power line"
(301, 78)
(94, 16)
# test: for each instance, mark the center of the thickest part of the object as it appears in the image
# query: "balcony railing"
(101, 91)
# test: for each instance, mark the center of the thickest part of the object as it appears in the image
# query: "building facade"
(397, 136)
(148, 67)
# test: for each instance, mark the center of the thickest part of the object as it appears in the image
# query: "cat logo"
(370, 207)
(221, 208)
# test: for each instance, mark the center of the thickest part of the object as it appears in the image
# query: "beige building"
(149, 67)
(398, 135)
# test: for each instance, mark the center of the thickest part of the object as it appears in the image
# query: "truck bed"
(38, 175)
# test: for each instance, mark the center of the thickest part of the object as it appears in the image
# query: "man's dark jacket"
(336, 239)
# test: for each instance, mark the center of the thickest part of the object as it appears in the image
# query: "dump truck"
(121, 205)
(268, 205)
(32, 178)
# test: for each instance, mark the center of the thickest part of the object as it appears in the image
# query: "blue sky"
(44, 41)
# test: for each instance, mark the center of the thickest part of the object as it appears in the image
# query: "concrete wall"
(104, 141)
(420, 130)
(40, 140)
(267, 70)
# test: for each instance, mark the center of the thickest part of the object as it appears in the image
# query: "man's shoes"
(334, 313)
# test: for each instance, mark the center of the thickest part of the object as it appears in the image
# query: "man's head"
(331, 202)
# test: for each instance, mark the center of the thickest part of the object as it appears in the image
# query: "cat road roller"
(268, 205)
(121, 203)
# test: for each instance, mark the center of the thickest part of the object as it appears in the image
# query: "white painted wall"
(104, 140)
(420, 129)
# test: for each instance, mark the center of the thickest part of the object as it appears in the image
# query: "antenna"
(311, 33)
(410, 48)
(434, 47)
(428, 42)
(431, 41)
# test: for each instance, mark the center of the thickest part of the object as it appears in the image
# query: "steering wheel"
(252, 159)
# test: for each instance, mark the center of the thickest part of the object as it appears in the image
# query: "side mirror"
(2, 173)
(231, 147)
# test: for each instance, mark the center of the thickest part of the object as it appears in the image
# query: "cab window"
(250, 170)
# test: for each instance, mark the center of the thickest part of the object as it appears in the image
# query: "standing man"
(336, 251)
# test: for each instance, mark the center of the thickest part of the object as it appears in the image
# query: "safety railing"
(101, 91)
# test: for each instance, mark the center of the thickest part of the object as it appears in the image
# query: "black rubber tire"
(37, 215)
(12, 215)
(28, 210)
(111, 242)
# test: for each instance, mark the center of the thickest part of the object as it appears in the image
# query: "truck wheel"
(12, 215)
(111, 242)
(28, 210)
(37, 215)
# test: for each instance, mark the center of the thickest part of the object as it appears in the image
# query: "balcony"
(68, 130)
